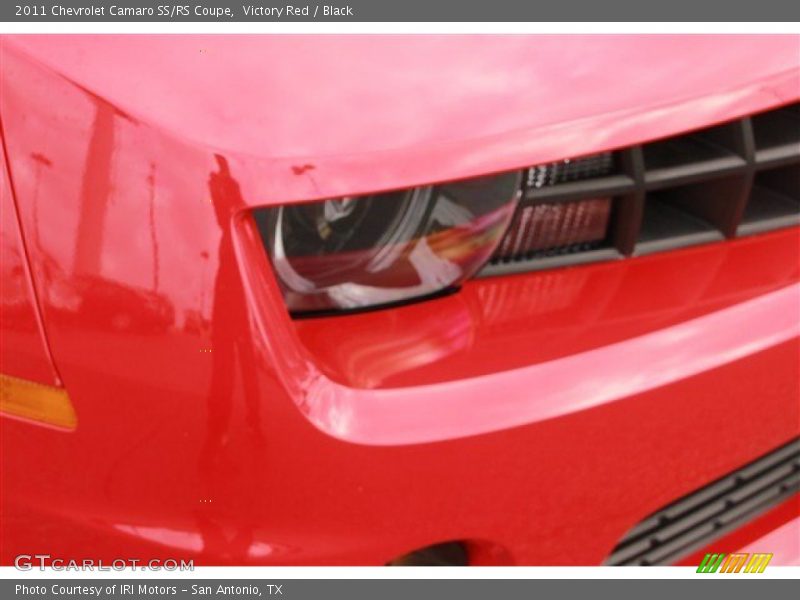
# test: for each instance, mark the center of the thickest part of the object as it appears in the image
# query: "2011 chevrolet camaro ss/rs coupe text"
(364, 300)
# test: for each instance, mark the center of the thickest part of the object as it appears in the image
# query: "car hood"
(400, 110)
(319, 95)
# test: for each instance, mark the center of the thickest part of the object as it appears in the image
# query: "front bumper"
(524, 476)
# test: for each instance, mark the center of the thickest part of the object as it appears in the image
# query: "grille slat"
(692, 172)
(567, 192)
(734, 179)
(697, 519)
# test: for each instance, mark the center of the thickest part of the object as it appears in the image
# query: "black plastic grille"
(564, 171)
(734, 179)
(709, 513)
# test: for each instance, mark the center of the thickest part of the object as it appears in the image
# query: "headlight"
(356, 252)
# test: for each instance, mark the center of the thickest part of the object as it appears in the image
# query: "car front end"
(356, 300)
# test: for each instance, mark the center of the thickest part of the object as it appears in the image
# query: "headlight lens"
(357, 252)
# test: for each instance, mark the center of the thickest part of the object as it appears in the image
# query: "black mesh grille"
(734, 179)
(707, 514)
(568, 170)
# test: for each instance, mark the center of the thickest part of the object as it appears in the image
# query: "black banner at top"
(396, 10)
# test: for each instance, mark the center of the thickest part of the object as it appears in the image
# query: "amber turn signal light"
(36, 402)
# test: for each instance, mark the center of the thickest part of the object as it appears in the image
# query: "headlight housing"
(365, 251)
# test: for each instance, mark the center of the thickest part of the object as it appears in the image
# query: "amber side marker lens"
(36, 402)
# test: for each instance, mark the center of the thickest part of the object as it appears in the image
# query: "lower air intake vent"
(738, 178)
(699, 518)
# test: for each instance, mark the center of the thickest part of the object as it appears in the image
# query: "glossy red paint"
(538, 416)
(501, 323)
(23, 346)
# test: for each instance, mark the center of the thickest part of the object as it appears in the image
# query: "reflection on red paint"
(497, 324)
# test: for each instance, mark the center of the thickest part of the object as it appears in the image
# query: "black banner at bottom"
(705, 586)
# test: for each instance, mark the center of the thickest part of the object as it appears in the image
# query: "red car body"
(535, 417)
